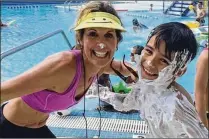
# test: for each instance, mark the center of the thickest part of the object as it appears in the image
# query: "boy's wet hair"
(177, 37)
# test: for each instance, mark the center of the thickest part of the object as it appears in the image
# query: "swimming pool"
(36, 20)
(31, 22)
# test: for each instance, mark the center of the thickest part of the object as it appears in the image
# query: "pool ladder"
(67, 5)
(32, 42)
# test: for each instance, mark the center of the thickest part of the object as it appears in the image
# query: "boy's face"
(153, 59)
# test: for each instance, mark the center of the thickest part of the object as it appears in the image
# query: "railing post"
(181, 6)
(163, 6)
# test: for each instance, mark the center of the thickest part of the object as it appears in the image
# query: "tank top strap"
(78, 73)
(79, 66)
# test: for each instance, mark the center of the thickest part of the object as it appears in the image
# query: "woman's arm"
(40, 77)
(201, 84)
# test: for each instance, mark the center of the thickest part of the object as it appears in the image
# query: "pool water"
(31, 23)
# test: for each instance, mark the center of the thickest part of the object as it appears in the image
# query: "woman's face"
(153, 59)
(91, 42)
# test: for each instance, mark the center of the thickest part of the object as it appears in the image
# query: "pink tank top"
(48, 101)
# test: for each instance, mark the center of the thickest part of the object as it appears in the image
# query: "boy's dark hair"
(177, 36)
(139, 49)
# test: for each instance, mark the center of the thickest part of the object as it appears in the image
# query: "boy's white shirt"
(166, 114)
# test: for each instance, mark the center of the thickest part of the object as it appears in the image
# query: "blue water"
(32, 22)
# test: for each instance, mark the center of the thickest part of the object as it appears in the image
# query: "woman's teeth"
(100, 54)
(149, 72)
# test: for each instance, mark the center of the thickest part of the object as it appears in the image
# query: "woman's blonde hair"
(96, 6)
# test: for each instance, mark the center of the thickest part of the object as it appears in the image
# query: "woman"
(61, 80)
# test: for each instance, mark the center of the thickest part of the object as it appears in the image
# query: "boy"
(163, 104)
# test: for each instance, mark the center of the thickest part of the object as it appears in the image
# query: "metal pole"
(163, 5)
(181, 6)
(32, 42)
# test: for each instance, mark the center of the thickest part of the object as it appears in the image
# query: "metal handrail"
(163, 6)
(181, 7)
(69, 4)
(67, 1)
(32, 42)
(66, 4)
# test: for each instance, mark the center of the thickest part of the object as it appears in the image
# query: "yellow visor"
(99, 19)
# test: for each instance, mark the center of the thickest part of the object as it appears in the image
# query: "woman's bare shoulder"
(64, 56)
(60, 59)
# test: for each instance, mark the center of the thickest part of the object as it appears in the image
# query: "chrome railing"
(32, 42)
(67, 5)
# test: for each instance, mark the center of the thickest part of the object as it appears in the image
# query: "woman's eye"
(109, 35)
(92, 34)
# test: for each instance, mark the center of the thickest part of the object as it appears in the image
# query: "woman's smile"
(100, 54)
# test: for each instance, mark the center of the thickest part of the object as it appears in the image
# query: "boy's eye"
(165, 61)
(148, 51)
(92, 34)
(109, 35)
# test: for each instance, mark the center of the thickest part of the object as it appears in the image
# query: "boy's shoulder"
(183, 92)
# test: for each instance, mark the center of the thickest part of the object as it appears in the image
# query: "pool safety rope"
(141, 16)
(26, 6)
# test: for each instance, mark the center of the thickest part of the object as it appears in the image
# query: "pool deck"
(113, 124)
